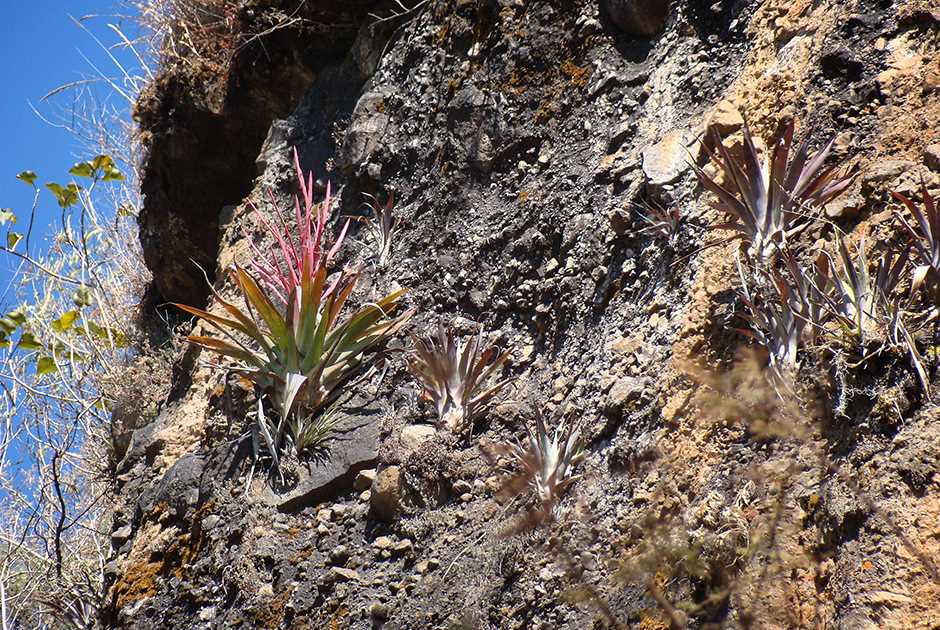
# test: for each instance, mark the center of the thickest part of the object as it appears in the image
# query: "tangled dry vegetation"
(195, 33)
(84, 363)
(70, 352)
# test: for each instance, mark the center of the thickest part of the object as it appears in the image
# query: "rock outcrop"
(521, 141)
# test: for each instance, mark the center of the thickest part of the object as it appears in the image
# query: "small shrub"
(664, 223)
(809, 292)
(856, 294)
(543, 463)
(774, 323)
(295, 434)
(549, 461)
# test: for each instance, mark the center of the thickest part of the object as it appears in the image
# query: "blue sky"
(42, 49)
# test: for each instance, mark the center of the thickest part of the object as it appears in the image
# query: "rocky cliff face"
(519, 139)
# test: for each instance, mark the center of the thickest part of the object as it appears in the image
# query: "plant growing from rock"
(856, 294)
(296, 434)
(290, 340)
(770, 203)
(808, 292)
(453, 374)
(382, 226)
(308, 433)
(662, 222)
(283, 270)
(925, 236)
(543, 463)
(548, 461)
(775, 322)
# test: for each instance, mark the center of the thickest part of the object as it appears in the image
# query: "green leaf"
(82, 297)
(46, 365)
(66, 195)
(6, 214)
(65, 322)
(102, 163)
(13, 320)
(28, 342)
(113, 175)
(103, 332)
(13, 239)
(27, 176)
(82, 169)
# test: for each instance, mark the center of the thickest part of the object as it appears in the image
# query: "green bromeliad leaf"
(306, 353)
(27, 176)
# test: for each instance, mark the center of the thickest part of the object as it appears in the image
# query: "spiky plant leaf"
(856, 293)
(311, 432)
(291, 338)
(774, 323)
(770, 204)
(283, 269)
(382, 226)
(662, 222)
(545, 462)
(809, 291)
(925, 237)
(454, 373)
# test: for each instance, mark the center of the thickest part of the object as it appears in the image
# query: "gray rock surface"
(332, 471)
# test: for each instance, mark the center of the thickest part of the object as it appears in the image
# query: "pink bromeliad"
(296, 261)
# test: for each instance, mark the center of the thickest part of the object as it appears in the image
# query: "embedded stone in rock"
(637, 17)
(414, 435)
(884, 172)
(178, 491)
(364, 479)
(344, 575)
(932, 157)
(365, 131)
(666, 161)
(387, 494)
(847, 205)
(378, 610)
(726, 118)
(354, 447)
(121, 536)
(625, 392)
